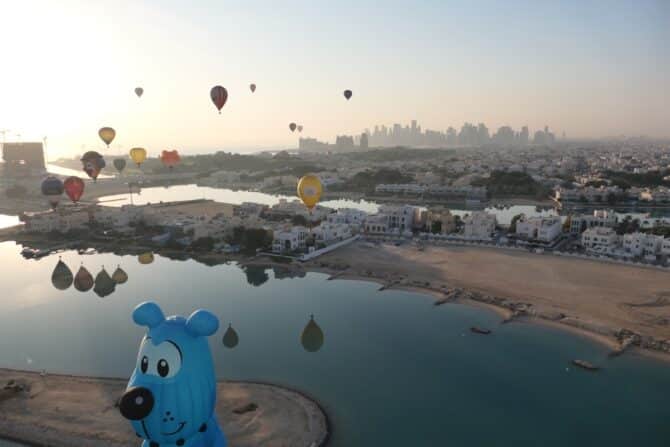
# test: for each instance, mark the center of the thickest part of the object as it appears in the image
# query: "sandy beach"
(66, 411)
(610, 300)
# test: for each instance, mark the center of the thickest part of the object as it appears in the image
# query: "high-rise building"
(364, 141)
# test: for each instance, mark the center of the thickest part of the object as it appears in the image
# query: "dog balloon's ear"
(202, 323)
(148, 314)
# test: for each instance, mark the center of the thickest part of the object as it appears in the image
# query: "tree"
(611, 198)
(299, 219)
(436, 227)
(204, 243)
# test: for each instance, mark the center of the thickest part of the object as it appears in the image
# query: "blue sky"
(591, 68)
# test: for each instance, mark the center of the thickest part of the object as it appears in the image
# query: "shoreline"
(63, 410)
(506, 314)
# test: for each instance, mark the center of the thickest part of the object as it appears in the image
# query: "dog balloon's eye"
(144, 364)
(163, 368)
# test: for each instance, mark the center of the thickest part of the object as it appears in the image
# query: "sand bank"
(66, 411)
(610, 301)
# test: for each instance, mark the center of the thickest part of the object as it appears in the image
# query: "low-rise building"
(349, 216)
(642, 244)
(61, 220)
(544, 229)
(599, 218)
(479, 225)
(376, 224)
(447, 221)
(601, 239)
(327, 233)
(289, 240)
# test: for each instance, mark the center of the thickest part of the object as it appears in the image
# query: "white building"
(290, 240)
(545, 229)
(642, 244)
(297, 208)
(61, 220)
(376, 224)
(479, 225)
(600, 239)
(599, 218)
(401, 217)
(327, 233)
(665, 248)
(349, 216)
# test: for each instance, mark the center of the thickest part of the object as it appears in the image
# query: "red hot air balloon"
(170, 158)
(252, 87)
(347, 94)
(292, 126)
(219, 96)
(52, 187)
(74, 188)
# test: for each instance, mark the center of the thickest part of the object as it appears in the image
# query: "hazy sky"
(591, 68)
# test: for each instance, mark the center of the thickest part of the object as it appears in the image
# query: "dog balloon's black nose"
(136, 403)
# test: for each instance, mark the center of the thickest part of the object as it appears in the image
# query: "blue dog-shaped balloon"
(171, 395)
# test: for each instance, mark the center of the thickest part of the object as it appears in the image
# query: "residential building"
(601, 239)
(642, 244)
(327, 233)
(444, 217)
(544, 229)
(599, 218)
(479, 225)
(290, 240)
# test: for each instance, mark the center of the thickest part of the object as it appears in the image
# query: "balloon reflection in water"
(83, 280)
(119, 276)
(146, 258)
(312, 336)
(104, 284)
(61, 278)
(230, 338)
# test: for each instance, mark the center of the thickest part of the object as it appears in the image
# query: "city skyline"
(591, 70)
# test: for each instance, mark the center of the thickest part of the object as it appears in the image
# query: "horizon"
(591, 71)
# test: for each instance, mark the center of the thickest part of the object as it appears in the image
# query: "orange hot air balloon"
(138, 155)
(146, 258)
(107, 135)
(292, 126)
(219, 96)
(74, 188)
(170, 158)
(252, 87)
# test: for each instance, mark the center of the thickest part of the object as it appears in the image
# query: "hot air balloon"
(83, 280)
(107, 135)
(252, 87)
(93, 164)
(52, 187)
(292, 126)
(300, 128)
(347, 94)
(312, 336)
(104, 284)
(139, 91)
(219, 96)
(119, 164)
(138, 155)
(61, 278)
(74, 188)
(230, 338)
(170, 158)
(146, 258)
(309, 190)
(119, 276)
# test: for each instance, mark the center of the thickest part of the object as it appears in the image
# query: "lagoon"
(393, 370)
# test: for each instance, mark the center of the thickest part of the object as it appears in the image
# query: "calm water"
(394, 369)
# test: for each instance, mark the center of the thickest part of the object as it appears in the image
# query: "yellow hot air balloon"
(107, 135)
(146, 258)
(138, 155)
(309, 190)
